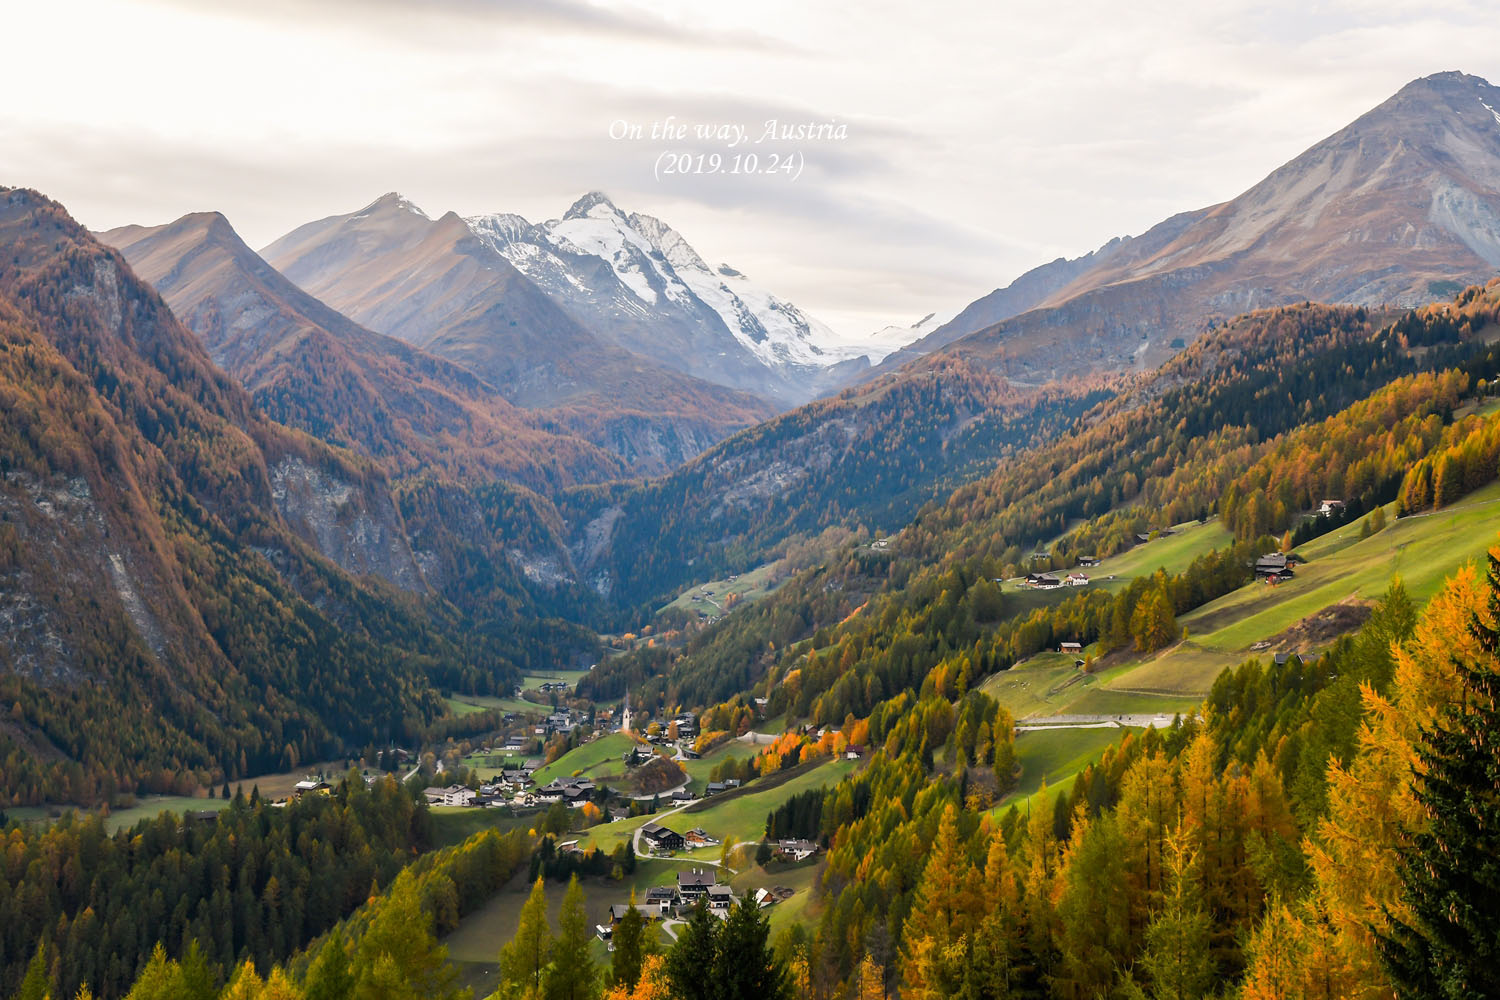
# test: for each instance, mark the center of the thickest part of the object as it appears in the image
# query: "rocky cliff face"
(360, 530)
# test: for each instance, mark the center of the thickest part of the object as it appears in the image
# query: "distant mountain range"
(634, 279)
(601, 344)
(1400, 207)
(437, 286)
(311, 367)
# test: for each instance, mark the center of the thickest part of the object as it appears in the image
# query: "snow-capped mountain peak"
(594, 205)
(655, 295)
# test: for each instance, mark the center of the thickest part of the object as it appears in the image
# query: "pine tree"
(329, 976)
(573, 975)
(399, 956)
(942, 914)
(523, 962)
(695, 950)
(869, 981)
(745, 967)
(1177, 942)
(1449, 947)
(629, 942)
(35, 985)
(992, 967)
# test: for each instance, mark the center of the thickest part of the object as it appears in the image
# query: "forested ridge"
(867, 624)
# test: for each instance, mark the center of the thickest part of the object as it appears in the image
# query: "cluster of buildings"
(677, 901)
(514, 787)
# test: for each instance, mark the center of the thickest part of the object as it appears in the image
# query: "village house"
(854, 753)
(1076, 580)
(663, 896)
(693, 885)
(697, 837)
(795, 850)
(617, 912)
(720, 900)
(662, 839)
(453, 795)
(1330, 507)
(574, 791)
(1088, 560)
(1042, 581)
(311, 786)
(1071, 647)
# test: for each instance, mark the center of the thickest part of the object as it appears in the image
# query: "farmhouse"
(1331, 507)
(1042, 581)
(311, 786)
(1088, 560)
(661, 838)
(1070, 647)
(1076, 580)
(854, 753)
(1273, 564)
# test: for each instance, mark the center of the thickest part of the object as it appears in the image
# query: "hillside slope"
(226, 591)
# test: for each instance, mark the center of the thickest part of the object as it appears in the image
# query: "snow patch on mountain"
(888, 340)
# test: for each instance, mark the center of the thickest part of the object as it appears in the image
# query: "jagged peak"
(592, 205)
(503, 226)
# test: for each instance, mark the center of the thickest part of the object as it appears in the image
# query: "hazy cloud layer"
(980, 139)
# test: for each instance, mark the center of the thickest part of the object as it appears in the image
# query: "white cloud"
(983, 138)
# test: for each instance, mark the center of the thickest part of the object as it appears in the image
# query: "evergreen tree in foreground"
(631, 945)
(523, 962)
(573, 975)
(692, 957)
(1450, 872)
(745, 968)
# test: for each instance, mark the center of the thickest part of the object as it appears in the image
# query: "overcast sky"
(982, 138)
